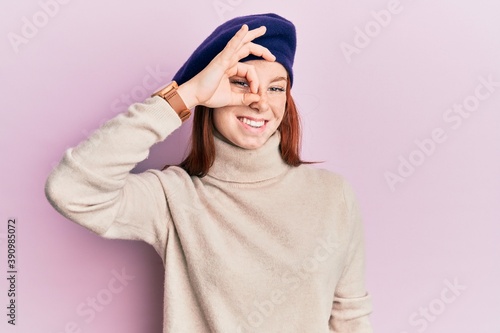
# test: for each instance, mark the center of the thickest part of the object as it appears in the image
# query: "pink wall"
(404, 111)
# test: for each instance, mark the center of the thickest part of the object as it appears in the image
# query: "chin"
(249, 144)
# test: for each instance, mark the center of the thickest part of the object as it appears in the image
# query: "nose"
(262, 105)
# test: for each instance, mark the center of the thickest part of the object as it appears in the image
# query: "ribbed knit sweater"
(254, 246)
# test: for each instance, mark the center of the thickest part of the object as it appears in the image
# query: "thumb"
(245, 98)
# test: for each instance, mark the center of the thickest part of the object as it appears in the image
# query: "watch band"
(169, 93)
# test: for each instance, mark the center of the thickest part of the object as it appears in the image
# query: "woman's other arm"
(352, 305)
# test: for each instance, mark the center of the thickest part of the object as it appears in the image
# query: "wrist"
(185, 92)
(171, 95)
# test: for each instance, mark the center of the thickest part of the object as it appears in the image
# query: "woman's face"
(251, 126)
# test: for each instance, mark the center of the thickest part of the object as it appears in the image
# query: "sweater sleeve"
(352, 304)
(92, 185)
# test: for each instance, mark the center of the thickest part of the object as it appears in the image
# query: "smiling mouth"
(252, 123)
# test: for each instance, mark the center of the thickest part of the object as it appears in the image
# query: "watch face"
(166, 89)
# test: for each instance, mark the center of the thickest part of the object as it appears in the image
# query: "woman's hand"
(211, 87)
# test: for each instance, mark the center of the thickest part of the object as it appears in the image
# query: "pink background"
(438, 227)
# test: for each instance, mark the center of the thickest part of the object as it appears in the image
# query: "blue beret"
(280, 38)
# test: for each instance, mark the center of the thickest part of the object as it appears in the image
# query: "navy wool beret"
(280, 38)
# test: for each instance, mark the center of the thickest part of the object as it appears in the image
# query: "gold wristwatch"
(169, 93)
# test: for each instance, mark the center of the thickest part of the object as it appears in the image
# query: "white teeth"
(252, 123)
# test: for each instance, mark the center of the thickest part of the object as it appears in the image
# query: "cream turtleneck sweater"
(254, 246)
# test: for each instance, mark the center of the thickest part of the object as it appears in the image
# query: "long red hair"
(202, 154)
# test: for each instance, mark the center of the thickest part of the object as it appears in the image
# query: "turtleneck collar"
(235, 164)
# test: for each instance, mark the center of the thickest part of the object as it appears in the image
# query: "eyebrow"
(278, 78)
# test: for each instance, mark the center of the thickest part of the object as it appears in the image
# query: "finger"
(249, 98)
(244, 99)
(244, 35)
(257, 50)
(255, 33)
(238, 39)
(242, 38)
(248, 72)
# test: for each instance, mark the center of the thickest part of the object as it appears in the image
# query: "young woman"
(252, 239)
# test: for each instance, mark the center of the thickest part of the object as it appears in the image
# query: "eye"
(277, 89)
(240, 83)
